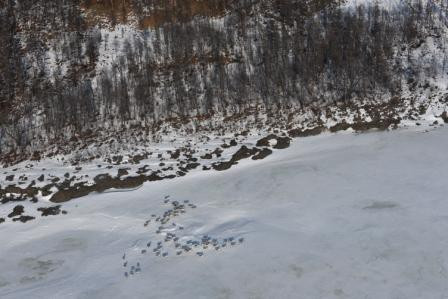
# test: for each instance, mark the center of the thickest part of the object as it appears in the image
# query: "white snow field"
(333, 216)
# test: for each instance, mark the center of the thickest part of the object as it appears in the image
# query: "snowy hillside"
(333, 216)
(72, 69)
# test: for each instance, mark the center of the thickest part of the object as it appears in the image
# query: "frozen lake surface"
(333, 216)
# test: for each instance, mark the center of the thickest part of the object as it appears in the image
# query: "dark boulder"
(17, 211)
(262, 154)
(23, 219)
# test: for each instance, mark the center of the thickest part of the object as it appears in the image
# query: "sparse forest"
(82, 64)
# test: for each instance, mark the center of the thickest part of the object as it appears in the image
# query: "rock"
(117, 159)
(262, 154)
(217, 152)
(143, 169)
(137, 158)
(122, 172)
(35, 156)
(53, 211)
(444, 116)
(305, 133)
(342, 126)
(193, 165)
(282, 142)
(175, 155)
(207, 156)
(244, 153)
(220, 166)
(24, 219)
(266, 140)
(17, 211)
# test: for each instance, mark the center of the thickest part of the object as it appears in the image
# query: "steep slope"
(71, 68)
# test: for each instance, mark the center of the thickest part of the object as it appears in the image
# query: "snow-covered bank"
(333, 216)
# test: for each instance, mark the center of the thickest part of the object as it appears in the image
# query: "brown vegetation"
(155, 13)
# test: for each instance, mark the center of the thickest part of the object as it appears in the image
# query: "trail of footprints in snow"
(171, 242)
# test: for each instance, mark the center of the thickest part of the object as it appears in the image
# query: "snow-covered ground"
(333, 216)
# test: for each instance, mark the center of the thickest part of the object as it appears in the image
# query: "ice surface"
(333, 216)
